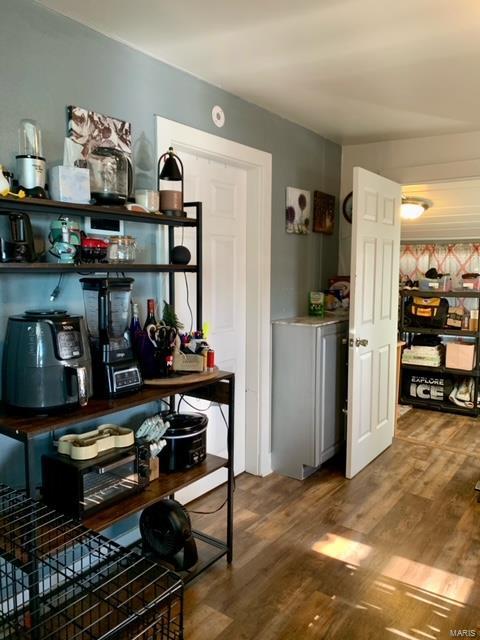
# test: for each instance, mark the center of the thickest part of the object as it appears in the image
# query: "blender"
(107, 302)
(31, 165)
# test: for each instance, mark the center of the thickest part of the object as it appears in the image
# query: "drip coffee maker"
(107, 302)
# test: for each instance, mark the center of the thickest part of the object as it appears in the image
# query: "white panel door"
(373, 318)
(222, 189)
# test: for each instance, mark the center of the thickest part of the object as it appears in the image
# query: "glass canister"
(122, 249)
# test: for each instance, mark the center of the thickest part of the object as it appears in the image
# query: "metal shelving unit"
(27, 608)
(475, 335)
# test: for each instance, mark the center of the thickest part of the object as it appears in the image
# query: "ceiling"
(454, 215)
(351, 70)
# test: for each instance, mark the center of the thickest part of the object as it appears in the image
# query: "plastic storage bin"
(430, 284)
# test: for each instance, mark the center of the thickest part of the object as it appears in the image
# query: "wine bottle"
(150, 313)
(135, 325)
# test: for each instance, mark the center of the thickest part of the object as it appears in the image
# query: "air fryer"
(167, 532)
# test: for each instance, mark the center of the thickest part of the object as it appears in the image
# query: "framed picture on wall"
(323, 212)
(297, 212)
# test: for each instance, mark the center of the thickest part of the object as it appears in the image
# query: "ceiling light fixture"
(413, 207)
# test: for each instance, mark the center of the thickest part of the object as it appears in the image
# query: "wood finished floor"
(393, 553)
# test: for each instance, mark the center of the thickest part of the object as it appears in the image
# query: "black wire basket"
(61, 581)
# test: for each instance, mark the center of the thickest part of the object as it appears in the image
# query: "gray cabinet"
(309, 390)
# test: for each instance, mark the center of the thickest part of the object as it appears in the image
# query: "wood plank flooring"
(393, 553)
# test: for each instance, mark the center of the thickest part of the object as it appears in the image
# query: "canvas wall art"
(91, 129)
(323, 212)
(298, 211)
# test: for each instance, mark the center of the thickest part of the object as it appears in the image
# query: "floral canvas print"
(298, 211)
(90, 129)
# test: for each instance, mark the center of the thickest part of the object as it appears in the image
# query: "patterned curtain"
(455, 259)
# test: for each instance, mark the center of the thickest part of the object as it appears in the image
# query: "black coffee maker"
(20, 248)
(107, 303)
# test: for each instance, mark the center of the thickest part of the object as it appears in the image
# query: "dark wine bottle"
(150, 313)
(135, 325)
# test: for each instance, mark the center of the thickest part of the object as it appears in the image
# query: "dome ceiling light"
(413, 207)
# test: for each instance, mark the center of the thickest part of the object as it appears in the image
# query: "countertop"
(331, 317)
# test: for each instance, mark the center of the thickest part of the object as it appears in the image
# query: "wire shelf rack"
(62, 581)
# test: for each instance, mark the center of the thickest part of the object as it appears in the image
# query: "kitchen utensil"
(46, 361)
(31, 165)
(111, 176)
(107, 302)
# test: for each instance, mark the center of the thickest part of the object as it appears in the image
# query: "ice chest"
(460, 355)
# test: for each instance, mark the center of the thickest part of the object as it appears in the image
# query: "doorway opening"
(254, 168)
(438, 361)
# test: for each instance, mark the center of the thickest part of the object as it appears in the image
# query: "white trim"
(258, 165)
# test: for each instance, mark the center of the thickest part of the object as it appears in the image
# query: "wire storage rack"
(62, 581)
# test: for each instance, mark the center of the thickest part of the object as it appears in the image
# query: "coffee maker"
(107, 302)
(21, 247)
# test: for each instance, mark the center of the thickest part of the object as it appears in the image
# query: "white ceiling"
(351, 70)
(454, 216)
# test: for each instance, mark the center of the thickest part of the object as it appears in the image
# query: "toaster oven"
(81, 488)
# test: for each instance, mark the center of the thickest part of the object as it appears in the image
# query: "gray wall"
(49, 62)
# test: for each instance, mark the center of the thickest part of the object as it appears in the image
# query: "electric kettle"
(111, 176)
(46, 361)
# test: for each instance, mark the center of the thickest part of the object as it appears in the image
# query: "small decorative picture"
(90, 129)
(323, 212)
(298, 211)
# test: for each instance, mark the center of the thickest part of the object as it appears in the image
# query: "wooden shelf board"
(156, 490)
(45, 206)
(52, 267)
(22, 426)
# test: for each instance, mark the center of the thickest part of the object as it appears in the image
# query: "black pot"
(186, 441)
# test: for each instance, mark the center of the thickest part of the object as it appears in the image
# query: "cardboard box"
(460, 355)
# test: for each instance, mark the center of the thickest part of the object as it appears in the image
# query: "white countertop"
(331, 317)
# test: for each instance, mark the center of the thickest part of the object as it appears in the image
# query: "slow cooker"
(186, 441)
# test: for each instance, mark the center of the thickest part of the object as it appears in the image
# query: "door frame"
(258, 166)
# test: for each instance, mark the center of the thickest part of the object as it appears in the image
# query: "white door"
(373, 318)
(222, 188)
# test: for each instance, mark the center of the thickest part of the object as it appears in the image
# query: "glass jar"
(122, 249)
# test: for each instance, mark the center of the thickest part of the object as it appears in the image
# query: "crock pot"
(186, 441)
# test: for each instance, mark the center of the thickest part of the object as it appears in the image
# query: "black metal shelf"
(121, 267)
(463, 293)
(439, 406)
(53, 207)
(440, 332)
(474, 373)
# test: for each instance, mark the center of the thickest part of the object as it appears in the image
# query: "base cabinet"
(309, 391)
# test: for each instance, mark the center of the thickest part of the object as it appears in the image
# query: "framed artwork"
(297, 211)
(323, 212)
(90, 129)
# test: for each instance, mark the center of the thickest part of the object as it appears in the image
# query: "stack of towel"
(423, 356)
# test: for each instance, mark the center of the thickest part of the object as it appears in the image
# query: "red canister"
(210, 360)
